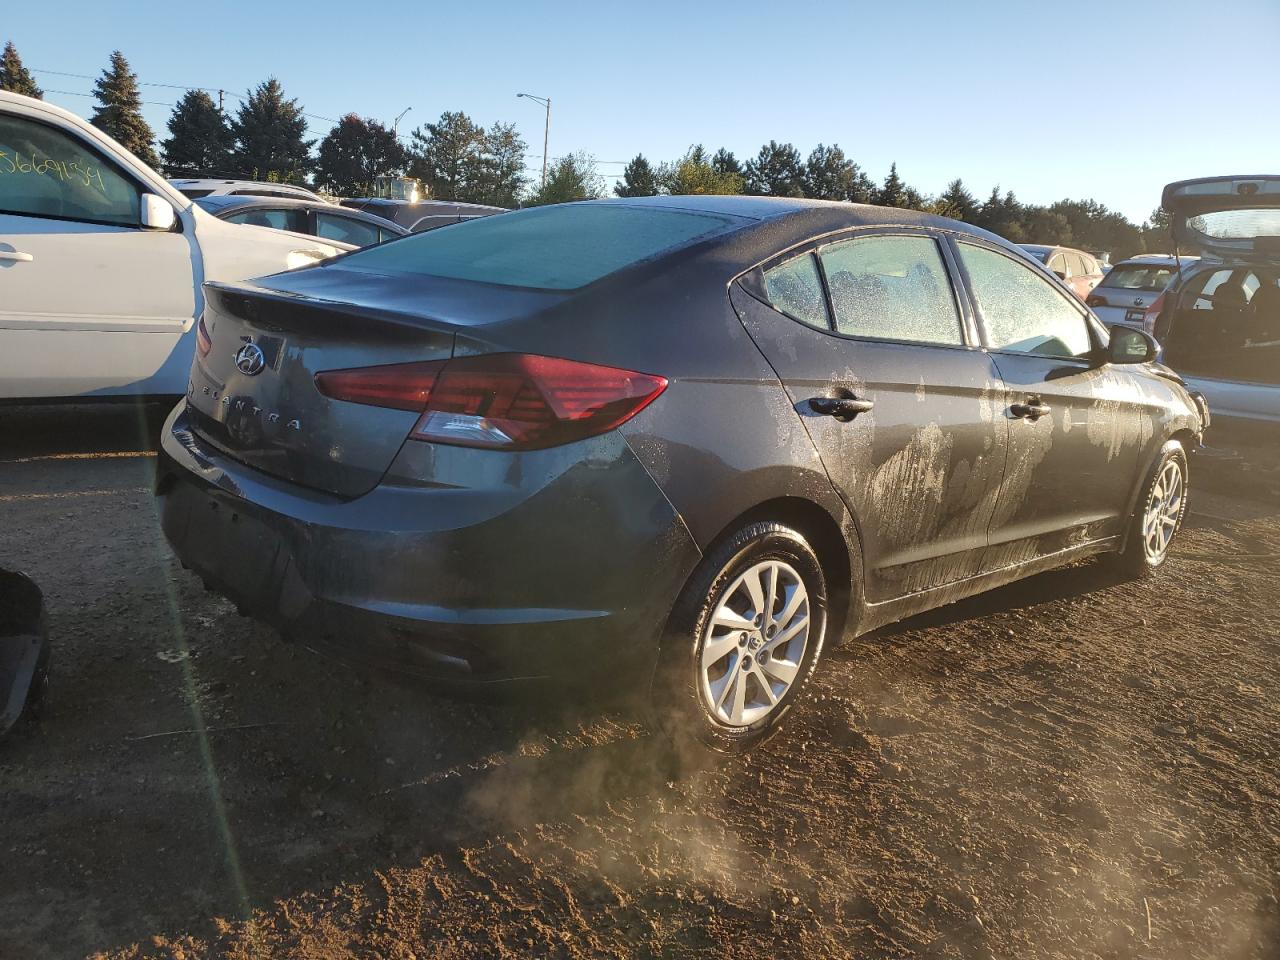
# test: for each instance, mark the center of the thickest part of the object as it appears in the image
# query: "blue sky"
(1066, 99)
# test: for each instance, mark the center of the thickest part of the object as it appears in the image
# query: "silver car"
(1220, 323)
(1130, 294)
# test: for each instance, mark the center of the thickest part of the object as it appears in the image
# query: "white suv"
(102, 261)
(195, 189)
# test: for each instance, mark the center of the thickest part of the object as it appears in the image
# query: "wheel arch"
(835, 541)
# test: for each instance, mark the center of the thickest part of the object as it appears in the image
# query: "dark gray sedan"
(672, 445)
(315, 218)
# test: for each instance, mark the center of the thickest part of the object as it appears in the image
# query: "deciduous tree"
(696, 173)
(356, 151)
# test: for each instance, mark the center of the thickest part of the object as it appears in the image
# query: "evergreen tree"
(696, 173)
(501, 176)
(776, 171)
(894, 192)
(448, 156)
(269, 133)
(570, 178)
(957, 203)
(725, 162)
(200, 142)
(356, 151)
(14, 77)
(830, 175)
(639, 179)
(119, 110)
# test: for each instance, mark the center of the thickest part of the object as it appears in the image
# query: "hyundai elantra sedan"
(675, 445)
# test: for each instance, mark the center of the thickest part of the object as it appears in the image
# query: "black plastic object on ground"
(24, 648)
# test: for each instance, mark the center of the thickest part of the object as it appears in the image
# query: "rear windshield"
(1138, 277)
(1241, 224)
(550, 248)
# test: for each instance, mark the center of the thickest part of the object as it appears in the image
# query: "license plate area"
(1134, 316)
(242, 554)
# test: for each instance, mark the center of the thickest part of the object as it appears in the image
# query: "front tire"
(743, 640)
(1157, 516)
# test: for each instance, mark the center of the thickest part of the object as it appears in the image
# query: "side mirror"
(1132, 346)
(157, 212)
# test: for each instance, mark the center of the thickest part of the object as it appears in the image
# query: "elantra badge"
(250, 360)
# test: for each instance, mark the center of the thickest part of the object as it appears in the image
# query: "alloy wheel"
(754, 643)
(1164, 509)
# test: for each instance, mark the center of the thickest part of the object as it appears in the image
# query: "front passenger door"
(1077, 428)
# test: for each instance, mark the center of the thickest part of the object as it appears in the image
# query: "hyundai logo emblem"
(250, 360)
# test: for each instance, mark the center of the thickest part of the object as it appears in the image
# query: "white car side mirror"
(157, 213)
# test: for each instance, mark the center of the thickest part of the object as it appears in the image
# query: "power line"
(170, 86)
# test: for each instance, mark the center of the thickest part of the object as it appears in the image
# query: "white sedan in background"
(102, 261)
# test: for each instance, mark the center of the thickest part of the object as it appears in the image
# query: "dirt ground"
(1063, 768)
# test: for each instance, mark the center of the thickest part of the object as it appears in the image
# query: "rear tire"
(1157, 516)
(742, 642)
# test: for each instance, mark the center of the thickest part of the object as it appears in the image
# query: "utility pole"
(546, 131)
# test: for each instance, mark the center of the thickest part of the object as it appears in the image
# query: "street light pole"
(546, 130)
(396, 122)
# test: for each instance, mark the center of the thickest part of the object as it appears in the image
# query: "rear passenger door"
(880, 359)
(1077, 428)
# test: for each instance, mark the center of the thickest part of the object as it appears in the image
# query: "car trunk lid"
(1230, 218)
(253, 392)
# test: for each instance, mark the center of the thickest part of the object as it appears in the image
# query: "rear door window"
(46, 172)
(345, 230)
(1021, 310)
(290, 219)
(795, 288)
(891, 288)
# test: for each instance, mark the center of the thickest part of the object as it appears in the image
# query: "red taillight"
(508, 400)
(204, 343)
(401, 386)
(1152, 314)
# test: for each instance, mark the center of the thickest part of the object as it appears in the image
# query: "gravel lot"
(1063, 768)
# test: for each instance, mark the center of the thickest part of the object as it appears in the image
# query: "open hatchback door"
(1228, 218)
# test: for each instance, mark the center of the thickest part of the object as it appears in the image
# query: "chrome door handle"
(16, 256)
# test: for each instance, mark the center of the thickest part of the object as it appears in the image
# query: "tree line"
(458, 159)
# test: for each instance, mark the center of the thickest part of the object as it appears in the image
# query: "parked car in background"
(1077, 269)
(194, 189)
(421, 215)
(1220, 322)
(1130, 293)
(101, 261)
(317, 219)
(1104, 259)
(677, 445)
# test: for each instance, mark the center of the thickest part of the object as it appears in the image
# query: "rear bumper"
(560, 564)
